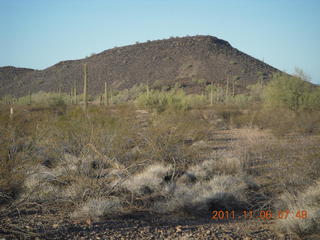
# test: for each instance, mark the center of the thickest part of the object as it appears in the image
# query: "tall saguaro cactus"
(148, 88)
(106, 97)
(59, 92)
(85, 86)
(75, 92)
(30, 97)
(211, 94)
(11, 112)
(227, 88)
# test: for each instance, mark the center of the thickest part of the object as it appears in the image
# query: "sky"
(39, 33)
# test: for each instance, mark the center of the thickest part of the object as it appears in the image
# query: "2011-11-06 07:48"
(262, 214)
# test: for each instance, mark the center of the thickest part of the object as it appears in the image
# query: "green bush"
(256, 91)
(128, 95)
(160, 101)
(241, 100)
(289, 92)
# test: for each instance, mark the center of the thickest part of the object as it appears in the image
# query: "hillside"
(10, 78)
(163, 62)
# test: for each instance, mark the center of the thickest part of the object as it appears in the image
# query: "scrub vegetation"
(159, 151)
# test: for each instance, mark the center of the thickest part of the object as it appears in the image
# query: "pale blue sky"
(40, 33)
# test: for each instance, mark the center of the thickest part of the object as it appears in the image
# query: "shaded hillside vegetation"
(9, 77)
(162, 63)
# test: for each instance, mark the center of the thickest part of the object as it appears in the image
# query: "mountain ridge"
(183, 60)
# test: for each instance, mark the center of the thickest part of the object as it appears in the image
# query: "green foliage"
(128, 95)
(156, 101)
(289, 92)
(177, 85)
(218, 93)
(312, 100)
(176, 100)
(199, 81)
(196, 101)
(57, 104)
(44, 99)
(240, 100)
(157, 84)
(255, 92)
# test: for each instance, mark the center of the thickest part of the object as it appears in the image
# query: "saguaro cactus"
(233, 87)
(11, 112)
(111, 97)
(106, 97)
(75, 92)
(85, 86)
(211, 94)
(30, 98)
(71, 96)
(227, 88)
(218, 93)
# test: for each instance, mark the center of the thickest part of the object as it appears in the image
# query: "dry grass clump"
(72, 179)
(309, 201)
(223, 192)
(197, 190)
(98, 207)
(162, 188)
(229, 165)
(212, 184)
(150, 180)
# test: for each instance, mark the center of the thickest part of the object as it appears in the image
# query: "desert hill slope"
(187, 60)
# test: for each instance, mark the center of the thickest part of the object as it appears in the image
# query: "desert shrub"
(204, 187)
(57, 105)
(220, 192)
(307, 122)
(149, 180)
(219, 166)
(285, 91)
(44, 99)
(199, 81)
(47, 156)
(157, 85)
(307, 201)
(166, 140)
(241, 100)
(197, 190)
(196, 101)
(128, 95)
(297, 156)
(98, 207)
(284, 121)
(227, 113)
(218, 93)
(155, 101)
(160, 101)
(255, 92)
(312, 100)
(281, 122)
(7, 99)
(17, 149)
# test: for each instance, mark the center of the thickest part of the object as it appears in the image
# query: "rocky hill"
(186, 60)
